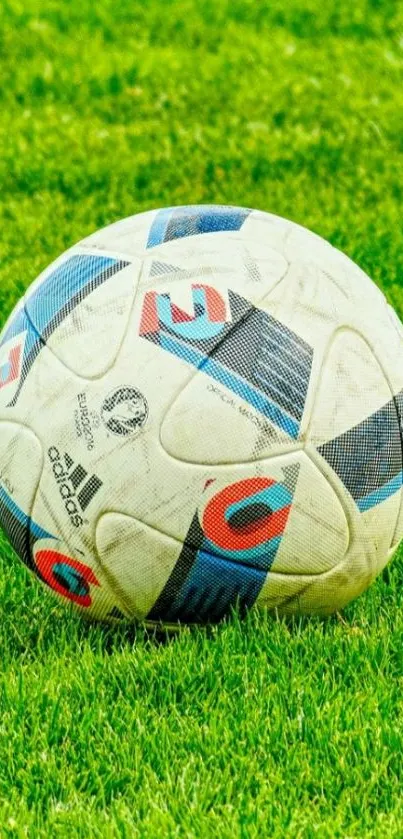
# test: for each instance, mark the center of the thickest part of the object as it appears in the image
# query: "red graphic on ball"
(66, 576)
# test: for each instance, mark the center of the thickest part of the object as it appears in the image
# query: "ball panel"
(371, 528)
(40, 385)
(317, 535)
(76, 304)
(322, 594)
(92, 323)
(196, 427)
(257, 363)
(250, 268)
(379, 529)
(352, 388)
(356, 412)
(312, 307)
(21, 459)
(304, 246)
(309, 302)
(136, 559)
(71, 310)
(127, 236)
(387, 344)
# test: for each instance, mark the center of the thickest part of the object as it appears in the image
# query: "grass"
(249, 729)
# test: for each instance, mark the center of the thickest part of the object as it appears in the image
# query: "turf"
(248, 729)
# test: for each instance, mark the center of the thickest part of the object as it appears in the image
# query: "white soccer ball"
(201, 409)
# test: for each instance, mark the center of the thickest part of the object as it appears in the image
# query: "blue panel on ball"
(242, 347)
(368, 457)
(57, 294)
(54, 298)
(382, 494)
(180, 222)
(213, 586)
(260, 556)
(238, 385)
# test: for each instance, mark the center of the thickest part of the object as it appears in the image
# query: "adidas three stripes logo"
(76, 487)
(78, 476)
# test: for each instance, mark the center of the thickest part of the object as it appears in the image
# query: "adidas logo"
(76, 488)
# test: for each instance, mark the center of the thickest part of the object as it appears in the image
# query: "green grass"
(248, 729)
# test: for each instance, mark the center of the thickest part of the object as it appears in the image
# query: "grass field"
(248, 729)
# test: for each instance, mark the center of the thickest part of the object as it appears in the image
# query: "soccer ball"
(201, 408)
